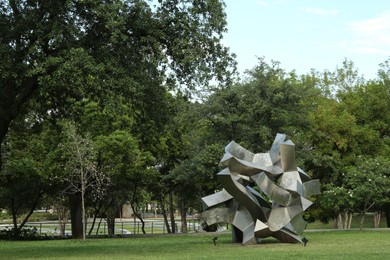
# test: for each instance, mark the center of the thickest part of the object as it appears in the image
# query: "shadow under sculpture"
(278, 178)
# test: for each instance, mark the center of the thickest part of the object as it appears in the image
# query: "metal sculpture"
(276, 208)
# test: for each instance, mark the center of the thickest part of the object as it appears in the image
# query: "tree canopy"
(123, 72)
(56, 53)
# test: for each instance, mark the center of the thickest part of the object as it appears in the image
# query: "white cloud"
(372, 27)
(371, 36)
(262, 3)
(321, 11)
(368, 50)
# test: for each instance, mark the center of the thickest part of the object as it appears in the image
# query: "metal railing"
(122, 227)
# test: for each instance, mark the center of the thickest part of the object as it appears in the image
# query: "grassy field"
(321, 245)
(368, 223)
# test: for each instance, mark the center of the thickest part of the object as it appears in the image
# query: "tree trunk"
(138, 216)
(339, 220)
(111, 224)
(347, 220)
(83, 215)
(36, 201)
(335, 223)
(387, 214)
(76, 215)
(62, 218)
(362, 220)
(172, 212)
(164, 213)
(95, 214)
(100, 222)
(12, 102)
(350, 220)
(377, 219)
(14, 213)
(133, 204)
(183, 211)
(346, 217)
(103, 213)
(111, 214)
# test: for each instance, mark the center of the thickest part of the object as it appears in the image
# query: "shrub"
(16, 234)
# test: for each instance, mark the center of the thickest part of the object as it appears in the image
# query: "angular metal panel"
(286, 236)
(241, 194)
(270, 189)
(218, 215)
(262, 230)
(291, 181)
(216, 199)
(303, 174)
(248, 235)
(311, 188)
(287, 156)
(274, 152)
(260, 199)
(239, 152)
(298, 224)
(243, 167)
(305, 203)
(263, 159)
(242, 218)
(244, 222)
(281, 216)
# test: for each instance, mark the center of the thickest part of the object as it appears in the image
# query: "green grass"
(322, 245)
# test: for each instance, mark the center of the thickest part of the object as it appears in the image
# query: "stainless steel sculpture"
(276, 209)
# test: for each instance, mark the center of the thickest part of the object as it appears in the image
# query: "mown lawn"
(321, 245)
(368, 223)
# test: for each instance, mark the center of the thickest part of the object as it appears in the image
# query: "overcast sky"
(305, 34)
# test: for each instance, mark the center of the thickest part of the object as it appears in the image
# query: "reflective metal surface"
(275, 207)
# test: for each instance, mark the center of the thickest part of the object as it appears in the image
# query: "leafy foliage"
(369, 182)
(123, 72)
(22, 234)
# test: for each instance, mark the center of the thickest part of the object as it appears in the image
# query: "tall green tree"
(337, 203)
(350, 121)
(123, 46)
(369, 182)
(23, 182)
(269, 101)
(129, 169)
(81, 171)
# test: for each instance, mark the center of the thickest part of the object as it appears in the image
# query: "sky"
(309, 34)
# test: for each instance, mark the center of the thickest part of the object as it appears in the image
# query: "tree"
(369, 182)
(334, 135)
(128, 168)
(252, 112)
(80, 168)
(22, 179)
(127, 41)
(336, 202)
(348, 123)
(21, 190)
(170, 150)
(195, 177)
